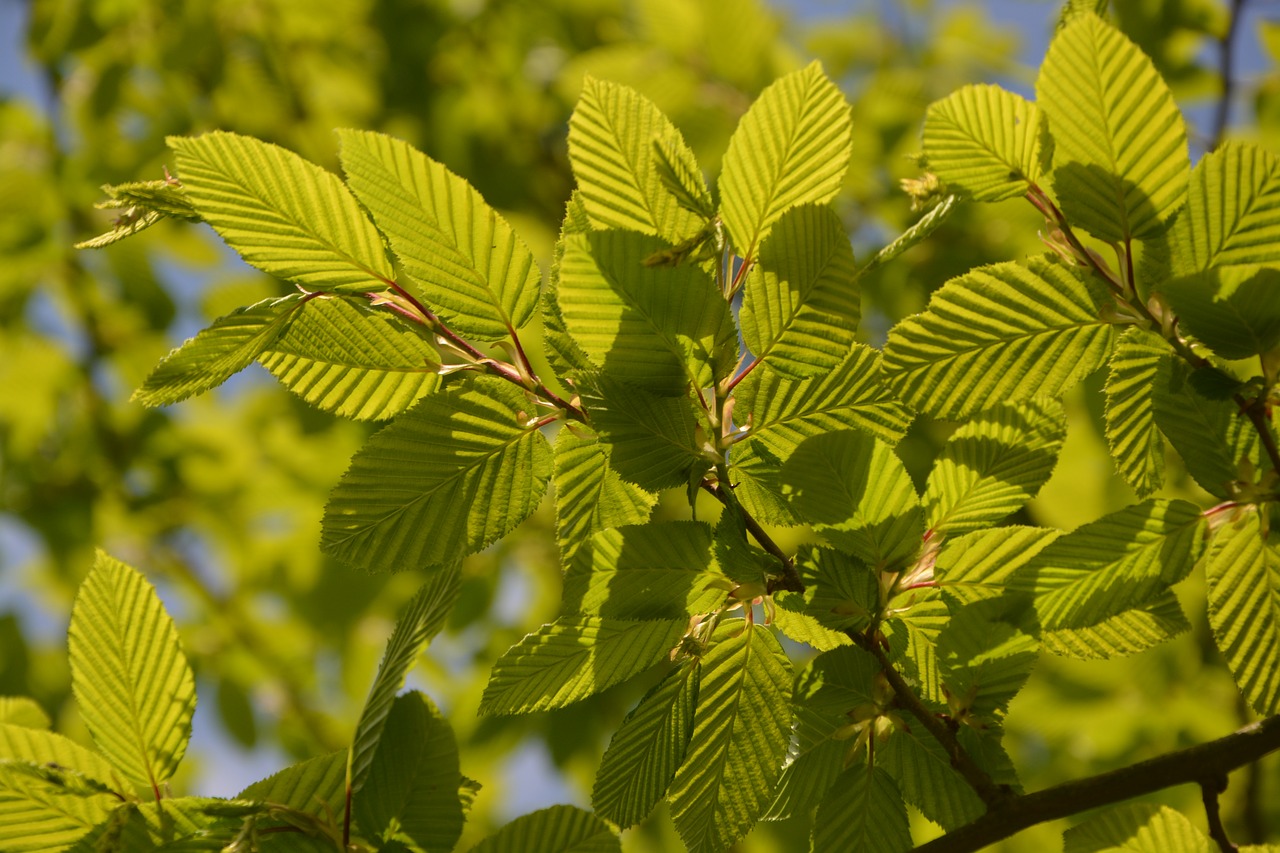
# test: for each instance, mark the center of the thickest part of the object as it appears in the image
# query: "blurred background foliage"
(219, 500)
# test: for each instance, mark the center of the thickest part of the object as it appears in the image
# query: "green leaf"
(998, 334)
(856, 493)
(652, 441)
(357, 363)
(476, 273)
(1234, 310)
(1121, 635)
(411, 793)
(422, 619)
(612, 135)
(132, 683)
(918, 618)
(216, 354)
(978, 565)
(1120, 145)
(863, 811)
(37, 816)
(1121, 561)
(22, 711)
(1244, 607)
(316, 786)
(573, 658)
(1232, 215)
(1197, 412)
(453, 474)
(35, 746)
(791, 148)
(1137, 828)
(680, 176)
(793, 618)
(284, 215)
(563, 352)
(921, 767)
(590, 496)
(559, 829)
(801, 306)
(916, 234)
(645, 751)
(841, 591)
(985, 657)
(993, 465)
(781, 413)
(1135, 441)
(739, 740)
(984, 142)
(658, 328)
(660, 570)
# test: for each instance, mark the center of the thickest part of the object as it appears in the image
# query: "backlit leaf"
(284, 215)
(476, 273)
(791, 148)
(590, 495)
(559, 829)
(573, 658)
(1124, 634)
(1137, 828)
(984, 141)
(316, 786)
(652, 441)
(1232, 215)
(1132, 435)
(37, 816)
(453, 474)
(1234, 310)
(864, 811)
(132, 682)
(998, 334)
(921, 767)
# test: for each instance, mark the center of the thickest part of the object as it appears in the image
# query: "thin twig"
(1185, 766)
(790, 579)
(1226, 48)
(1210, 788)
(983, 785)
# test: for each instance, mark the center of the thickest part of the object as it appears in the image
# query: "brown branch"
(1209, 791)
(985, 787)
(790, 579)
(1187, 766)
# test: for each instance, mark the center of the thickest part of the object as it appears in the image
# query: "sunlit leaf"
(840, 591)
(459, 470)
(984, 141)
(979, 564)
(1234, 310)
(37, 816)
(998, 334)
(645, 751)
(22, 711)
(573, 658)
(590, 495)
(316, 786)
(476, 273)
(791, 148)
(1244, 608)
(1132, 435)
(1124, 634)
(611, 138)
(652, 441)
(284, 215)
(1120, 144)
(1137, 828)
(132, 682)
(1232, 215)
(739, 740)
(559, 829)
(35, 746)
(985, 657)
(801, 305)
(993, 465)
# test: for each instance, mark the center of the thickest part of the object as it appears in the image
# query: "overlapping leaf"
(998, 334)
(801, 304)
(132, 682)
(37, 816)
(840, 591)
(316, 786)
(984, 142)
(652, 441)
(213, 356)
(1120, 145)
(611, 138)
(1232, 215)
(739, 738)
(1244, 608)
(559, 829)
(985, 657)
(864, 811)
(923, 771)
(353, 362)
(791, 148)
(284, 215)
(451, 475)
(1235, 310)
(1124, 634)
(22, 711)
(36, 746)
(1137, 828)
(658, 328)
(476, 273)
(590, 495)
(660, 570)
(1132, 435)
(993, 465)
(1121, 561)
(422, 619)
(979, 564)
(411, 793)
(573, 658)
(645, 751)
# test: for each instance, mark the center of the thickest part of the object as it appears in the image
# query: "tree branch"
(1209, 791)
(1226, 46)
(1193, 765)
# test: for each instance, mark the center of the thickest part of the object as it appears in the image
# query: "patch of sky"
(20, 549)
(533, 782)
(223, 767)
